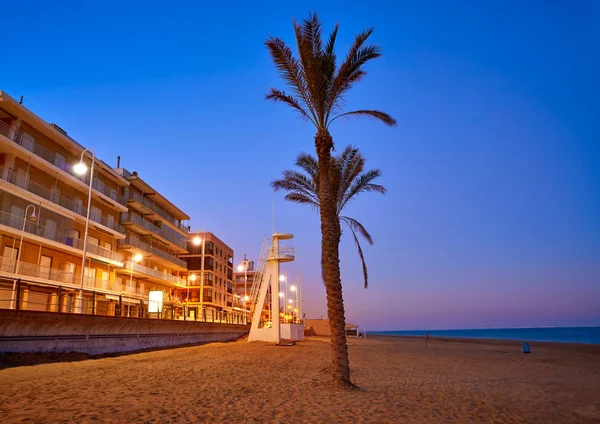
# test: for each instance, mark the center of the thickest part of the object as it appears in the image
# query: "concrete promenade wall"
(32, 331)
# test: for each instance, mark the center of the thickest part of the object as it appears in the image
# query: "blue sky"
(492, 212)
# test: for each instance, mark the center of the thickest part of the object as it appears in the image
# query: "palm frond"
(310, 45)
(350, 71)
(309, 164)
(357, 226)
(363, 184)
(376, 114)
(360, 253)
(290, 70)
(295, 182)
(301, 198)
(280, 96)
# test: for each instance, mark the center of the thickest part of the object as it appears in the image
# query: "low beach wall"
(32, 331)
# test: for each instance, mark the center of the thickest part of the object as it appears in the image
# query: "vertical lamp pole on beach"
(295, 308)
(283, 293)
(137, 258)
(81, 169)
(197, 241)
(244, 266)
(31, 218)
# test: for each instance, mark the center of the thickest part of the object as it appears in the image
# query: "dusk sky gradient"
(492, 217)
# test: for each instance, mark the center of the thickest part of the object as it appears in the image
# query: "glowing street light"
(32, 218)
(197, 240)
(81, 169)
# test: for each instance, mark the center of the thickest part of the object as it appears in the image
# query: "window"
(28, 141)
(45, 266)
(66, 272)
(9, 257)
(90, 276)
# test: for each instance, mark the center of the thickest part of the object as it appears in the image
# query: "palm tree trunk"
(330, 238)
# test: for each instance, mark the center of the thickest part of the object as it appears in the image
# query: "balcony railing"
(133, 240)
(164, 232)
(153, 206)
(168, 257)
(8, 265)
(20, 180)
(282, 252)
(60, 162)
(16, 222)
(154, 273)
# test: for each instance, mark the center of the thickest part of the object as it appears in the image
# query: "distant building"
(320, 327)
(209, 276)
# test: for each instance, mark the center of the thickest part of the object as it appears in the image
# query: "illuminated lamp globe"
(80, 168)
(197, 241)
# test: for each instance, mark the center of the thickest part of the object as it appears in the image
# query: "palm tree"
(318, 87)
(347, 181)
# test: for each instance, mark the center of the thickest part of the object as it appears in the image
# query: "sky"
(492, 215)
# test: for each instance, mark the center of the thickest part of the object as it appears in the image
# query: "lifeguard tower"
(267, 281)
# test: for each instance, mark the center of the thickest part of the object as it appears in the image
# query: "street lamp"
(81, 169)
(197, 242)
(244, 267)
(137, 258)
(283, 278)
(32, 218)
(192, 279)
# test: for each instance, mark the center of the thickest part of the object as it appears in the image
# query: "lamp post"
(192, 279)
(81, 169)
(197, 241)
(293, 289)
(32, 218)
(244, 267)
(283, 278)
(137, 258)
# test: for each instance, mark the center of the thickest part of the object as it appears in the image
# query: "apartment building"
(215, 293)
(42, 219)
(155, 235)
(135, 234)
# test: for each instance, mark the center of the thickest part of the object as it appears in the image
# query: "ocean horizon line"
(490, 328)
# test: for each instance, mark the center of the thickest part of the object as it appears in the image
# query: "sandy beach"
(400, 381)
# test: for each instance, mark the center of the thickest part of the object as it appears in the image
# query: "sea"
(585, 335)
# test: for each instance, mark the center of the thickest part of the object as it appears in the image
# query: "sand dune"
(400, 381)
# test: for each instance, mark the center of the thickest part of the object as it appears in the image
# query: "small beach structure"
(282, 324)
(320, 327)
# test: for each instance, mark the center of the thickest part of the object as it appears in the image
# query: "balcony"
(154, 273)
(133, 240)
(164, 232)
(59, 277)
(16, 222)
(168, 257)
(60, 162)
(151, 206)
(282, 253)
(53, 195)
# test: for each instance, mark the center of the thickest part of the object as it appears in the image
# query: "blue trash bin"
(526, 348)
